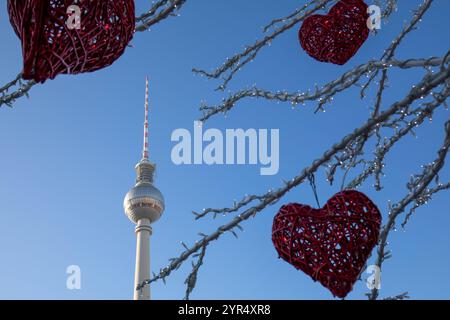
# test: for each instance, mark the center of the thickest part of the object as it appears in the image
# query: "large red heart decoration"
(331, 244)
(52, 43)
(337, 36)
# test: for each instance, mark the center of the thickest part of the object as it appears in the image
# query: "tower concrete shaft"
(142, 271)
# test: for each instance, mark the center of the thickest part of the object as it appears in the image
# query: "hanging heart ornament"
(338, 35)
(331, 244)
(66, 36)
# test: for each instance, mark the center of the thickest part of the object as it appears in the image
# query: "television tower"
(143, 205)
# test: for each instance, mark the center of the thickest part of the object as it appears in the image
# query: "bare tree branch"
(421, 114)
(161, 10)
(191, 280)
(323, 95)
(424, 198)
(402, 296)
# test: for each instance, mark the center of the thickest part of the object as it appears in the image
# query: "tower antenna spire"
(145, 153)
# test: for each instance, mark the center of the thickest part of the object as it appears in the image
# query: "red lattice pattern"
(50, 47)
(337, 36)
(330, 244)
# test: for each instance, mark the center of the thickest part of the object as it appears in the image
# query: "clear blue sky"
(67, 158)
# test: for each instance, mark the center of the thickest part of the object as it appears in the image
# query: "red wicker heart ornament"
(337, 36)
(331, 244)
(51, 46)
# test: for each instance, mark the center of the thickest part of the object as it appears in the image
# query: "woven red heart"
(53, 44)
(337, 36)
(331, 244)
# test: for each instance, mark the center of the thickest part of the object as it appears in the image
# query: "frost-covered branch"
(322, 95)
(191, 280)
(24, 87)
(375, 167)
(402, 296)
(159, 11)
(424, 198)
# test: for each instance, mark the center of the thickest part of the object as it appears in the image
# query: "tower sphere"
(144, 200)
